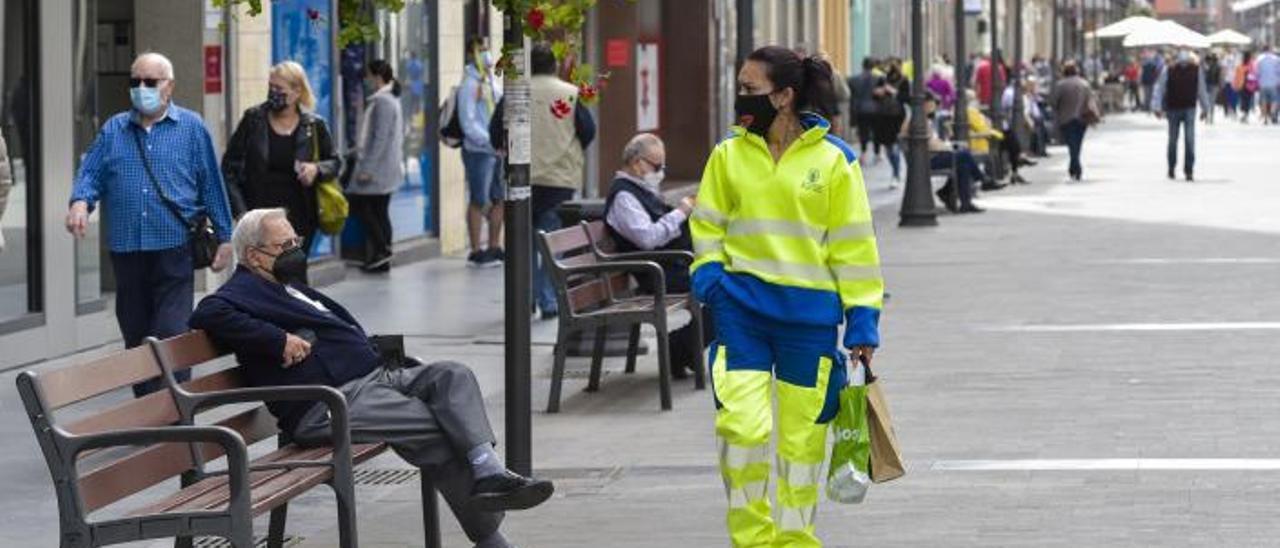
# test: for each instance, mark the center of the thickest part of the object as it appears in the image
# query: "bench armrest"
(660, 257)
(656, 276)
(340, 429)
(230, 441)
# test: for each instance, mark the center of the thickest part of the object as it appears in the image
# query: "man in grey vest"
(1180, 86)
(562, 130)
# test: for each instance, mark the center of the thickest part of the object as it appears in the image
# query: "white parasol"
(1166, 33)
(1123, 27)
(1229, 37)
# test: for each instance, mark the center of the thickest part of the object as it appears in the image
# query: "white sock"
(485, 461)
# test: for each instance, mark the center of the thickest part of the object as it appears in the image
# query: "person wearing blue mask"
(154, 170)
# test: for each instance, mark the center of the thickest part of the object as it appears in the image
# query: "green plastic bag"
(848, 477)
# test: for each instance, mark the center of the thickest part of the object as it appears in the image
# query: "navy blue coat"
(251, 315)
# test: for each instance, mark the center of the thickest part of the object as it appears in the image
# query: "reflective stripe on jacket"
(792, 240)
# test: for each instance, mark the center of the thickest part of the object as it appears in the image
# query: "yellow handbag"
(329, 197)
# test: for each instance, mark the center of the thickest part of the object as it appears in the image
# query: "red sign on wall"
(213, 69)
(617, 53)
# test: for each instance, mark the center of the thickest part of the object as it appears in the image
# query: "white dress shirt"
(629, 217)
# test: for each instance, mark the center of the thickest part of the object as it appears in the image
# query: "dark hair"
(1070, 68)
(542, 60)
(868, 63)
(382, 69)
(810, 77)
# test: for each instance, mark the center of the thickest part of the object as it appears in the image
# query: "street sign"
(617, 53)
(213, 69)
(647, 103)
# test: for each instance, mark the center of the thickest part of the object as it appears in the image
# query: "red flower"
(535, 19)
(313, 14)
(561, 109)
(587, 92)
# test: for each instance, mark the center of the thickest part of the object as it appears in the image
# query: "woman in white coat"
(379, 169)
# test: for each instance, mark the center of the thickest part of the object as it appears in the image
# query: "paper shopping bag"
(886, 457)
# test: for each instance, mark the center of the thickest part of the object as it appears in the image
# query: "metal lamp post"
(961, 116)
(518, 264)
(917, 200)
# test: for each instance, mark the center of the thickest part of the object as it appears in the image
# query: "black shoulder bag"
(200, 235)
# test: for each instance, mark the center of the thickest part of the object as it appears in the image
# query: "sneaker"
(474, 258)
(488, 259)
(379, 266)
(971, 209)
(509, 491)
(498, 254)
(550, 315)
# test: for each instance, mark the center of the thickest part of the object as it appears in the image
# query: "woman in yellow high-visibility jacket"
(786, 253)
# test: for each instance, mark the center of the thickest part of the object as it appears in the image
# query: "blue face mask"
(146, 100)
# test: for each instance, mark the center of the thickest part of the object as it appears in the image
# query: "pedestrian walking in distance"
(477, 99)
(785, 253)
(379, 169)
(279, 151)
(155, 172)
(1070, 102)
(1180, 87)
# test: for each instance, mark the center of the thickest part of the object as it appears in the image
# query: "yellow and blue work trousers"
(751, 353)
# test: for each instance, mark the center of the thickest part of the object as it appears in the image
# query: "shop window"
(20, 291)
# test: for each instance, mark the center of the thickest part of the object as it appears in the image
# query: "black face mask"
(755, 112)
(290, 266)
(276, 101)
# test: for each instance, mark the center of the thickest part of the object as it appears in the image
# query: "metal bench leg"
(430, 512)
(557, 371)
(344, 491)
(664, 361)
(275, 530)
(633, 346)
(700, 354)
(183, 542)
(597, 359)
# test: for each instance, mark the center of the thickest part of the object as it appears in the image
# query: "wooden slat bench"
(595, 294)
(161, 441)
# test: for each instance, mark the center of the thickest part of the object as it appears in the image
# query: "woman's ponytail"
(817, 89)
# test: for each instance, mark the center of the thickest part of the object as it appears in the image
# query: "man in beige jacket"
(562, 130)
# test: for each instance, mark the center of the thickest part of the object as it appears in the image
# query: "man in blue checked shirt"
(148, 242)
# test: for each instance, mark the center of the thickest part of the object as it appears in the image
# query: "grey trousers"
(430, 415)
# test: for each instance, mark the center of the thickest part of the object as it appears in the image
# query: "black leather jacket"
(246, 158)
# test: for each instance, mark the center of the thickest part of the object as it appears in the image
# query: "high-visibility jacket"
(791, 240)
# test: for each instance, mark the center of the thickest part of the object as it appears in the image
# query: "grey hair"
(165, 64)
(638, 146)
(248, 232)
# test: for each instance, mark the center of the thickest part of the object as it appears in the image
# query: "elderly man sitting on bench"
(433, 416)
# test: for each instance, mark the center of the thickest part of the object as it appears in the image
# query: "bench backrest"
(569, 247)
(117, 475)
(599, 237)
(193, 348)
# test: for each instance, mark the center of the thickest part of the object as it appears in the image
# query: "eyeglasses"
(148, 82)
(285, 245)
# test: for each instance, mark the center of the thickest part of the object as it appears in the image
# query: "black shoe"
(972, 209)
(1190, 178)
(488, 259)
(1023, 162)
(1171, 176)
(498, 254)
(550, 314)
(474, 258)
(1018, 180)
(379, 266)
(992, 186)
(509, 491)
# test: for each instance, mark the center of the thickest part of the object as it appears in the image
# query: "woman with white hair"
(280, 150)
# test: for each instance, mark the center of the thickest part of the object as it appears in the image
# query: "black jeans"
(372, 211)
(1073, 134)
(154, 294)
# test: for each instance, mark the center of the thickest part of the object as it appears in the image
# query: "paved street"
(1126, 317)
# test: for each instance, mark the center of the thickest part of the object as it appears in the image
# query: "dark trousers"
(1013, 148)
(154, 294)
(372, 211)
(431, 415)
(1073, 134)
(966, 171)
(1185, 117)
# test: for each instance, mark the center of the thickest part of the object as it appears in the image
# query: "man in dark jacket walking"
(1180, 87)
(433, 416)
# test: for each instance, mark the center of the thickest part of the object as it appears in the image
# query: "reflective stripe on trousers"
(744, 424)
